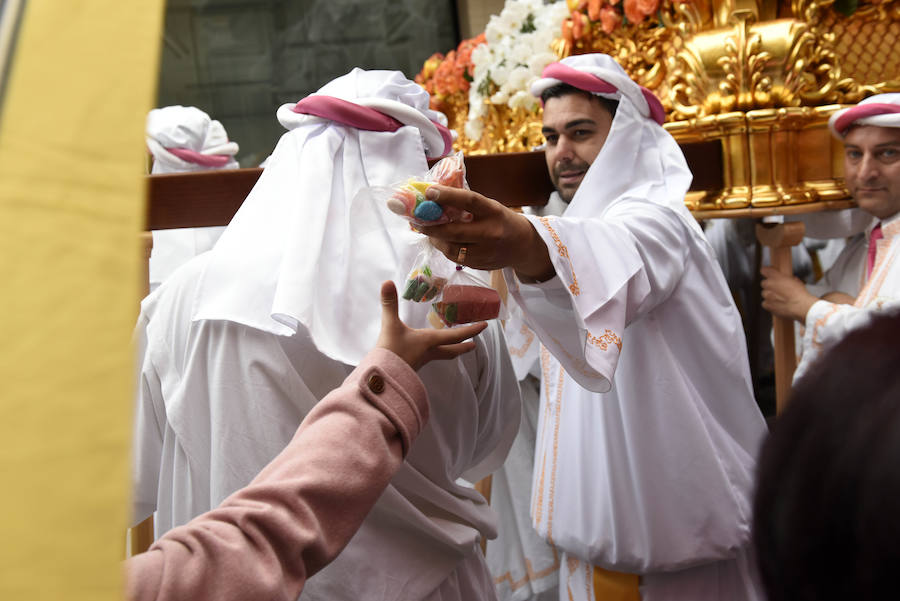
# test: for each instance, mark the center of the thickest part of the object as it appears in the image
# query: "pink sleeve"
(263, 541)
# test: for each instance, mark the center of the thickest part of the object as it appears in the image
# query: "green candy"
(410, 290)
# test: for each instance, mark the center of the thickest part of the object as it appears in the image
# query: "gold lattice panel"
(866, 45)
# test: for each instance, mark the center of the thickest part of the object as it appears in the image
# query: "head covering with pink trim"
(639, 159)
(308, 250)
(593, 73)
(372, 114)
(882, 110)
(184, 138)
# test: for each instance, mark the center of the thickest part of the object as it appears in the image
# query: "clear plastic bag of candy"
(429, 274)
(407, 199)
(465, 299)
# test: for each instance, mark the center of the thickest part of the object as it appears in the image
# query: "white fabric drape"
(316, 241)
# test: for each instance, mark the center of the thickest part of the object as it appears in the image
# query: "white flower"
(500, 73)
(480, 54)
(512, 59)
(493, 33)
(521, 52)
(522, 99)
(540, 60)
(473, 129)
(517, 78)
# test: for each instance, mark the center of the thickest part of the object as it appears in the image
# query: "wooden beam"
(516, 179)
(197, 199)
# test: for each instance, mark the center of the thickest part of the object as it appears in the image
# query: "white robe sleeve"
(829, 323)
(610, 271)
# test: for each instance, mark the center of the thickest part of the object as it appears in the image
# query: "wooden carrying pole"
(779, 238)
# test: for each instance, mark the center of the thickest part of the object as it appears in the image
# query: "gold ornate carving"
(760, 77)
(771, 158)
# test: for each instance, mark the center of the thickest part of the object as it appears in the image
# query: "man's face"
(872, 168)
(575, 127)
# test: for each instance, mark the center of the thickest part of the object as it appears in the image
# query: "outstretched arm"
(495, 237)
(264, 541)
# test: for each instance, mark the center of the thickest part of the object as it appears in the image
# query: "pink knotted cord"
(198, 158)
(592, 83)
(360, 117)
(861, 111)
(346, 112)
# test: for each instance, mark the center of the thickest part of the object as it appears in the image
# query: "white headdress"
(639, 158)
(882, 110)
(184, 138)
(306, 249)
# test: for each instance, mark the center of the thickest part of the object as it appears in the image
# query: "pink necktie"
(874, 237)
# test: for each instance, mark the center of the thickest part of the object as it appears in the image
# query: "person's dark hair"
(564, 89)
(826, 521)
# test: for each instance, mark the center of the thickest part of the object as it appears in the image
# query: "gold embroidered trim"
(559, 388)
(529, 338)
(564, 253)
(530, 574)
(819, 323)
(537, 506)
(605, 339)
(571, 566)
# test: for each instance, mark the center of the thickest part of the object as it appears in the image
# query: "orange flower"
(580, 25)
(648, 7)
(567, 27)
(428, 68)
(609, 19)
(594, 9)
(633, 12)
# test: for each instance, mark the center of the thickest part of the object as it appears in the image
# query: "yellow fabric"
(82, 79)
(615, 586)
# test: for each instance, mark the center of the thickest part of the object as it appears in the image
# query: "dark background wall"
(239, 60)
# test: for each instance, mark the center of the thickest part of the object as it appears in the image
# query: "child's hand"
(418, 347)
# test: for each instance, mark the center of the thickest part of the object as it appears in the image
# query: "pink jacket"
(266, 539)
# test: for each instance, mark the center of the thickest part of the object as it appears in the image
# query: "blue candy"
(429, 211)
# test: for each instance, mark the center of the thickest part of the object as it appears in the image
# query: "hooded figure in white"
(242, 341)
(648, 428)
(183, 139)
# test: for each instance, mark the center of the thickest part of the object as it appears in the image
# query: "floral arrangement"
(609, 13)
(443, 76)
(519, 46)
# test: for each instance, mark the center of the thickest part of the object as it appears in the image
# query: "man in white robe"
(866, 276)
(183, 139)
(242, 341)
(648, 430)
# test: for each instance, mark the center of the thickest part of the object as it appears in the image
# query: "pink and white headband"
(882, 110)
(372, 114)
(584, 79)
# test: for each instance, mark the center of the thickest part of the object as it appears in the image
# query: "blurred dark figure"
(826, 510)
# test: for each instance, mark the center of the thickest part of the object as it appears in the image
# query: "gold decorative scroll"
(760, 77)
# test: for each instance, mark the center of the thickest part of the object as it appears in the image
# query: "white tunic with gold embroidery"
(827, 323)
(648, 430)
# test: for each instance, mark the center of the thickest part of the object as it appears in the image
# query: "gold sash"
(615, 586)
